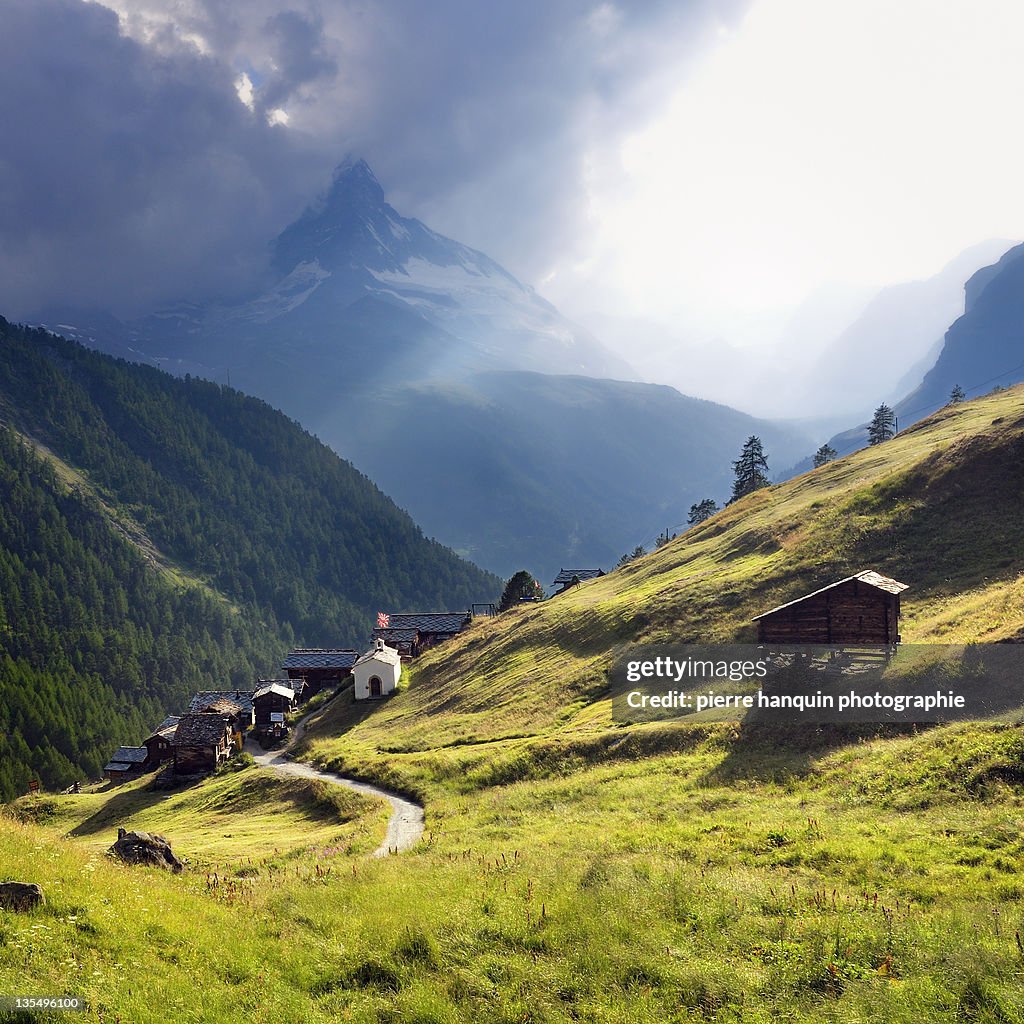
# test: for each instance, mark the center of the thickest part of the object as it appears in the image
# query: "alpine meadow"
(511, 513)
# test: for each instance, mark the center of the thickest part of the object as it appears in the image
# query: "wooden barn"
(126, 763)
(318, 667)
(568, 578)
(861, 610)
(159, 743)
(200, 743)
(411, 633)
(272, 702)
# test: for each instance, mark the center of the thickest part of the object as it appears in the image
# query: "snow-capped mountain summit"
(357, 293)
(351, 253)
(455, 387)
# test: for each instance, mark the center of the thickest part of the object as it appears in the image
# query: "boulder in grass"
(145, 848)
(20, 896)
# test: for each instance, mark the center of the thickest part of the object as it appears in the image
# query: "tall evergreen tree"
(701, 511)
(824, 455)
(957, 395)
(751, 469)
(882, 426)
(520, 587)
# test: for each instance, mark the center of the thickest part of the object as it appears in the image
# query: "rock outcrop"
(145, 848)
(21, 897)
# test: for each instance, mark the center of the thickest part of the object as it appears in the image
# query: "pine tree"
(824, 455)
(957, 395)
(882, 425)
(631, 556)
(703, 510)
(521, 587)
(751, 469)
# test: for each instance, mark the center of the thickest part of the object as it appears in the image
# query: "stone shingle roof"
(126, 758)
(427, 622)
(166, 727)
(396, 636)
(222, 706)
(868, 576)
(319, 657)
(274, 688)
(387, 655)
(199, 731)
(566, 576)
(203, 699)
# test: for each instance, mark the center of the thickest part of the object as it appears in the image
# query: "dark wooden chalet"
(126, 763)
(568, 578)
(411, 633)
(236, 704)
(200, 743)
(159, 743)
(318, 667)
(861, 610)
(272, 703)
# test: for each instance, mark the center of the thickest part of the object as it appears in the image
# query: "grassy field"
(938, 507)
(577, 871)
(237, 814)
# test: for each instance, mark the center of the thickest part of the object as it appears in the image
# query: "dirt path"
(405, 826)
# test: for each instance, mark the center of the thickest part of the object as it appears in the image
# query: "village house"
(568, 578)
(201, 742)
(860, 610)
(159, 743)
(377, 672)
(412, 633)
(272, 702)
(126, 763)
(317, 667)
(237, 704)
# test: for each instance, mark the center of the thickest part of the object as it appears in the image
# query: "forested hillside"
(179, 535)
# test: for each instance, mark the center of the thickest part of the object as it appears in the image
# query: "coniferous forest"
(159, 536)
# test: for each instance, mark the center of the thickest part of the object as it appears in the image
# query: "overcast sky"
(699, 159)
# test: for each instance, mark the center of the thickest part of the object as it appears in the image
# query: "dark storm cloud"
(300, 58)
(127, 176)
(130, 173)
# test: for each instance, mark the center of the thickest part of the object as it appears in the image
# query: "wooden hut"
(568, 578)
(126, 763)
(236, 703)
(318, 667)
(861, 610)
(411, 633)
(272, 702)
(200, 743)
(159, 744)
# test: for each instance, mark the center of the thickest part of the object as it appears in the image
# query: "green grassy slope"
(575, 871)
(938, 507)
(244, 812)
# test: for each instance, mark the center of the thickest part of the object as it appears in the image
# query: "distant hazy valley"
(512, 434)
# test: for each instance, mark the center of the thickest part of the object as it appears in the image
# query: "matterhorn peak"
(353, 181)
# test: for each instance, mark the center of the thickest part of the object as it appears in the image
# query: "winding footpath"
(406, 824)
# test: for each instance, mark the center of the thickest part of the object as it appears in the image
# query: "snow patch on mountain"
(289, 293)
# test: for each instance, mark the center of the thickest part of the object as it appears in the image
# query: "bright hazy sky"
(691, 161)
(851, 141)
